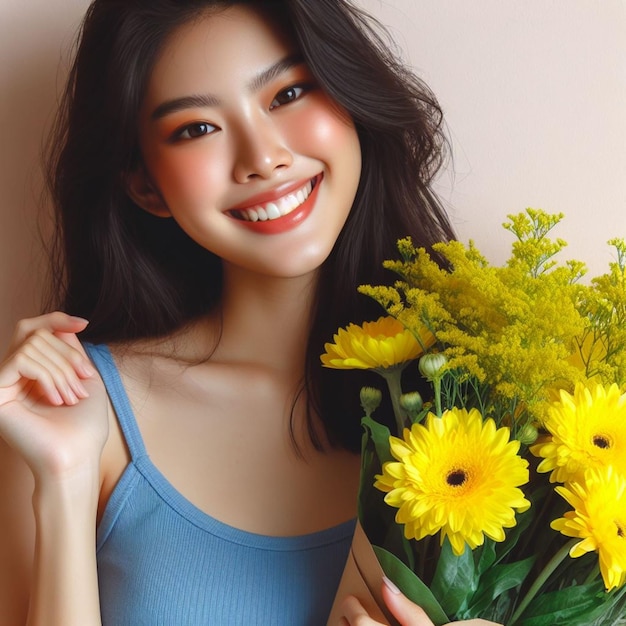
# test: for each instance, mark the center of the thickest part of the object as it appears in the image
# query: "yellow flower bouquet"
(498, 489)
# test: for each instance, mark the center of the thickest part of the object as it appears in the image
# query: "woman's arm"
(65, 585)
(53, 423)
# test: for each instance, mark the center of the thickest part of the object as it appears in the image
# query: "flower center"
(456, 478)
(601, 441)
(620, 530)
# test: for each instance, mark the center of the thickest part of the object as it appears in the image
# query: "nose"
(261, 150)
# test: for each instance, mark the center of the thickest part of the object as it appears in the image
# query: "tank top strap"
(103, 360)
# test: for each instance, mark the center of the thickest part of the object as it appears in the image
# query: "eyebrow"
(207, 100)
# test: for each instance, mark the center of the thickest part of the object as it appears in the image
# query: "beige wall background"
(534, 93)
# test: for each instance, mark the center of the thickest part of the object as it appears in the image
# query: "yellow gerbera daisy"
(587, 429)
(599, 520)
(457, 474)
(384, 343)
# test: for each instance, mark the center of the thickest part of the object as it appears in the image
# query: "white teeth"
(272, 211)
(278, 208)
(284, 205)
(288, 204)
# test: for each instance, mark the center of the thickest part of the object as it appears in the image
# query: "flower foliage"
(527, 366)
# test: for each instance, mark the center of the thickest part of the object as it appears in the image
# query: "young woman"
(225, 175)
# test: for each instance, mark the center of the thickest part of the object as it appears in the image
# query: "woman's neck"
(266, 320)
(260, 323)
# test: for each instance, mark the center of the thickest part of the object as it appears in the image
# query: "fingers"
(56, 322)
(59, 330)
(61, 353)
(474, 622)
(406, 612)
(354, 614)
(53, 371)
(47, 365)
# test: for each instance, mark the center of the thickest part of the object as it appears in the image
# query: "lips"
(273, 214)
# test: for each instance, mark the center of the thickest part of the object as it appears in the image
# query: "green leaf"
(379, 436)
(377, 517)
(455, 578)
(411, 585)
(373, 444)
(500, 609)
(577, 605)
(614, 610)
(513, 534)
(485, 556)
(496, 581)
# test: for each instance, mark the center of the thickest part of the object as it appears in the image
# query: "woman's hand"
(406, 612)
(54, 416)
(45, 369)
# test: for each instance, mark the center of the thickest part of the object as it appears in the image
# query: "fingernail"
(391, 586)
(80, 319)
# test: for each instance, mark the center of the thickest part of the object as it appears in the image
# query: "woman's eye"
(287, 95)
(195, 130)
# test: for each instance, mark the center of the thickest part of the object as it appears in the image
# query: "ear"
(143, 192)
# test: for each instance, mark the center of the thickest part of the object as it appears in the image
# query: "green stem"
(421, 558)
(552, 564)
(392, 376)
(437, 390)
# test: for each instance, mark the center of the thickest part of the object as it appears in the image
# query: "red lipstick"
(286, 222)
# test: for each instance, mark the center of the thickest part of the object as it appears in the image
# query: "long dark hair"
(113, 262)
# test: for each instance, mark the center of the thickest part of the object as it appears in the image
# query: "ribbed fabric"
(163, 562)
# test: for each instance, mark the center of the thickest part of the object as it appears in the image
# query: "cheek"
(326, 133)
(187, 173)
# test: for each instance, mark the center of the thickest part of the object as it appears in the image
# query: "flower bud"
(430, 365)
(528, 434)
(370, 399)
(411, 402)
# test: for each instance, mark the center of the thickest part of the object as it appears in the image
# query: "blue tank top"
(163, 562)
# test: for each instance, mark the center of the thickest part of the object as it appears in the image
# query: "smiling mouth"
(268, 211)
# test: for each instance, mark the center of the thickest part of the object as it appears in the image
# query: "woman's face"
(242, 147)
